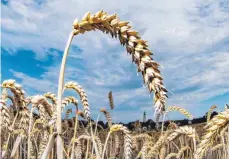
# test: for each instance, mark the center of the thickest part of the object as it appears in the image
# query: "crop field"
(33, 127)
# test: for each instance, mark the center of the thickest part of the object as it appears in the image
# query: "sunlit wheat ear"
(111, 100)
(69, 100)
(5, 116)
(144, 149)
(210, 112)
(24, 115)
(78, 151)
(127, 139)
(184, 130)
(18, 92)
(13, 101)
(83, 97)
(162, 153)
(81, 114)
(5, 111)
(107, 115)
(68, 112)
(41, 100)
(52, 97)
(99, 144)
(20, 103)
(117, 142)
(213, 129)
(142, 137)
(137, 47)
(43, 143)
(181, 110)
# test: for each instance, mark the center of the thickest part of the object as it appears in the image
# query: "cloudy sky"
(189, 38)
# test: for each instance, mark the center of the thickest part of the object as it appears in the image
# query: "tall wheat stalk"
(59, 148)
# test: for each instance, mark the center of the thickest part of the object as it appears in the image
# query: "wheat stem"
(59, 149)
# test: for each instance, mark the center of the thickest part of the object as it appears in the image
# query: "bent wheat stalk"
(59, 148)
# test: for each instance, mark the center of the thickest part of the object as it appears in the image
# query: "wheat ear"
(213, 128)
(107, 115)
(134, 45)
(78, 151)
(127, 139)
(83, 97)
(5, 111)
(210, 112)
(111, 101)
(181, 110)
(18, 92)
(52, 97)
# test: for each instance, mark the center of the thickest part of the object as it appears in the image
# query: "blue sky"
(190, 39)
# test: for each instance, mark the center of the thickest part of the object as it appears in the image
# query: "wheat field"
(33, 127)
